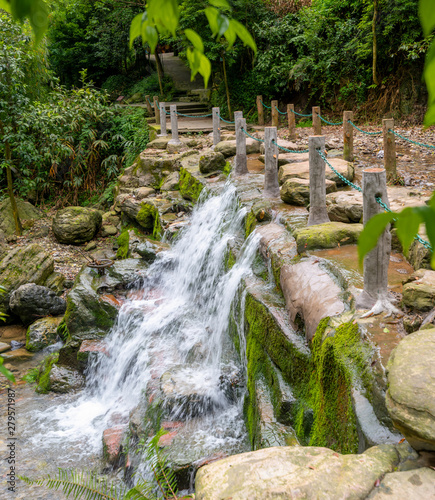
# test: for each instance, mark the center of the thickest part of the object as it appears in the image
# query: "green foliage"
(427, 17)
(407, 223)
(35, 11)
(88, 486)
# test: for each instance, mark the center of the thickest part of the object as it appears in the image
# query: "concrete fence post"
(260, 110)
(148, 104)
(389, 149)
(347, 136)
(375, 262)
(274, 111)
(156, 109)
(174, 124)
(317, 123)
(216, 125)
(163, 119)
(271, 185)
(241, 167)
(318, 213)
(291, 121)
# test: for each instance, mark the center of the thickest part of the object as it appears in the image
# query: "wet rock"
(228, 148)
(90, 348)
(285, 144)
(311, 293)
(262, 211)
(211, 162)
(302, 171)
(411, 389)
(21, 354)
(419, 256)
(328, 235)
(412, 323)
(419, 290)
(171, 182)
(76, 225)
(42, 333)
(64, 379)
(108, 230)
(296, 191)
(31, 302)
(112, 444)
(345, 206)
(295, 472)
(31, 264)
(26, 211)
(56, 282)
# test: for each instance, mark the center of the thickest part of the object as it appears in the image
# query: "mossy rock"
(419, 291)
(26, 211)
(211, 162)
(42, 333)
(76, 225)
(123, 241)
(328, 235)
(296, 191)
(149, 219)
(190, 187)
(43, 373)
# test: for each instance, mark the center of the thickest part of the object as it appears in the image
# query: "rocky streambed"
(239, 335)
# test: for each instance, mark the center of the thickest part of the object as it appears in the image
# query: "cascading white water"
(175, 325)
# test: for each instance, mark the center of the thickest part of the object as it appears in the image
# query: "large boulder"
(31, 264)
(295, 472)
(64, 379)
(296, 191)
(228, 148)
(410, 397)
(76, 225)
(327, 235)
(302, 171)
(31, 302)
(211, 162)
(26, 211)
(42, 333)
(405, 485)
(419, 290)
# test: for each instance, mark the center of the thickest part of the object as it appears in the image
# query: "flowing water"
(174, 328)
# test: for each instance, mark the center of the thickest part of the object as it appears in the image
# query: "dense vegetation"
(64, 141)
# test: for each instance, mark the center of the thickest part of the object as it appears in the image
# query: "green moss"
(123, 241)
(227, 169)
(250, 223)
(340, 361)
(147, 215)
(190, 188)
(230, 259)
(43, 378)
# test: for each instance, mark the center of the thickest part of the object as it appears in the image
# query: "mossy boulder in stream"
(328, 235)
(190, 187)
(30, 264)
(42, 333)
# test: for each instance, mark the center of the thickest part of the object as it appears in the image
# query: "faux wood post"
(274, 111)
(376, 262)
(318, 212)
(216, 125)
(174, 124)
(347, 136)
(271, 185)
(162, 119)
(389, 149)
(291, 121)
(148, 103)
(260, 110)
(317, 123)
(156, 109)
(241, 167)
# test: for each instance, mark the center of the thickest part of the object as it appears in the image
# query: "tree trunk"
(160, 71)
(375, 43)
(226, 88)
(18, 227)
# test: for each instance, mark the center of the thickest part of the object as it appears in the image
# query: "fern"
(84, 485)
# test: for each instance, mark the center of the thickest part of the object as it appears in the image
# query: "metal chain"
(149, 102)
(268, 107)
(290, 150)
(329, 123)
(301, 114)
(251, 136)
(226, 121)
(411, 141)
(194, 116)
(342, 177)
(363, 131)
(418, 237)
(280, 112)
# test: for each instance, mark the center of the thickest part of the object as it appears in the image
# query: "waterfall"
(170, 337)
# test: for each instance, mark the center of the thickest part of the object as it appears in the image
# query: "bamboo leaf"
(372, 231)
(426, 12)
(244, 34)
(221, 4)
(135, 28)
(407, 224)
(195, 39)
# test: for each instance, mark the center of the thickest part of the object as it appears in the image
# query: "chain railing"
(363, 131)
(301, 114)
(290, 150)
(194, 116)
(421, 144)
(251, 136)
(265, 105)
(337, 173)
(328, 122)
(226, 121)
(280, 112)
